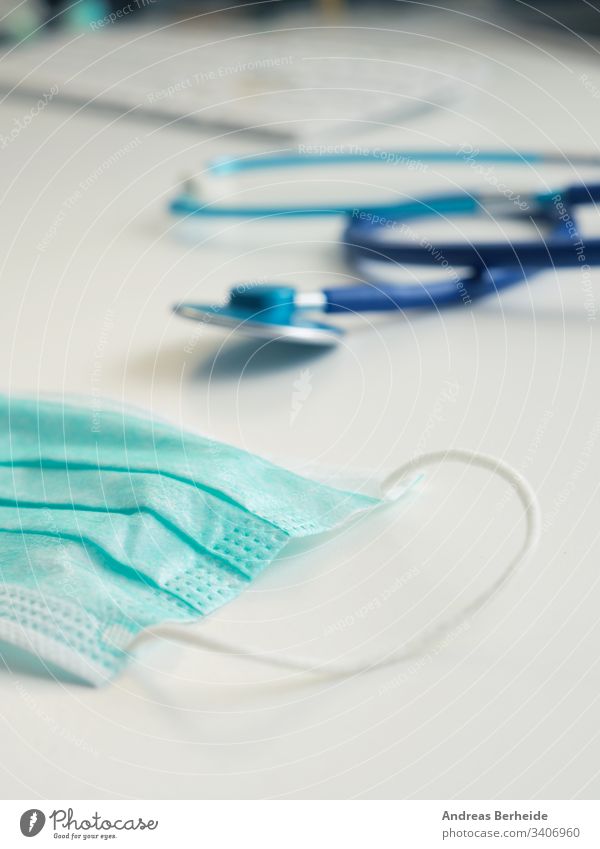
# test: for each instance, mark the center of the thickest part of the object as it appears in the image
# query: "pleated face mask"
(113, 524)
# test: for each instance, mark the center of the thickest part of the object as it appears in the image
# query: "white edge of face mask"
(48, 650)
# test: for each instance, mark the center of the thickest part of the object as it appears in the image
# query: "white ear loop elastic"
(419, 647)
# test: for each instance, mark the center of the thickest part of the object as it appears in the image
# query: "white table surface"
(507, 707)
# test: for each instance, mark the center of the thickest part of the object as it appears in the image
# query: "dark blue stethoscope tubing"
(489, 255)
(501, 265)
(493, 267)
(485, 278)
(383, 297)
(379, 296)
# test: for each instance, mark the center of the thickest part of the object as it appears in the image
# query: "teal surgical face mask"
(113, 525)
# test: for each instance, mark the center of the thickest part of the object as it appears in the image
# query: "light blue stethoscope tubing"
(190, 206)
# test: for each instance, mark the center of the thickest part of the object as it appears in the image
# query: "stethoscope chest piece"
(269, 313)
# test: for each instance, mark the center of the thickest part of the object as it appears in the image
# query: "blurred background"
(25, 18)
(274, 64)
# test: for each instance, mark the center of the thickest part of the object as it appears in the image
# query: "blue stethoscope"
(376, 235)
